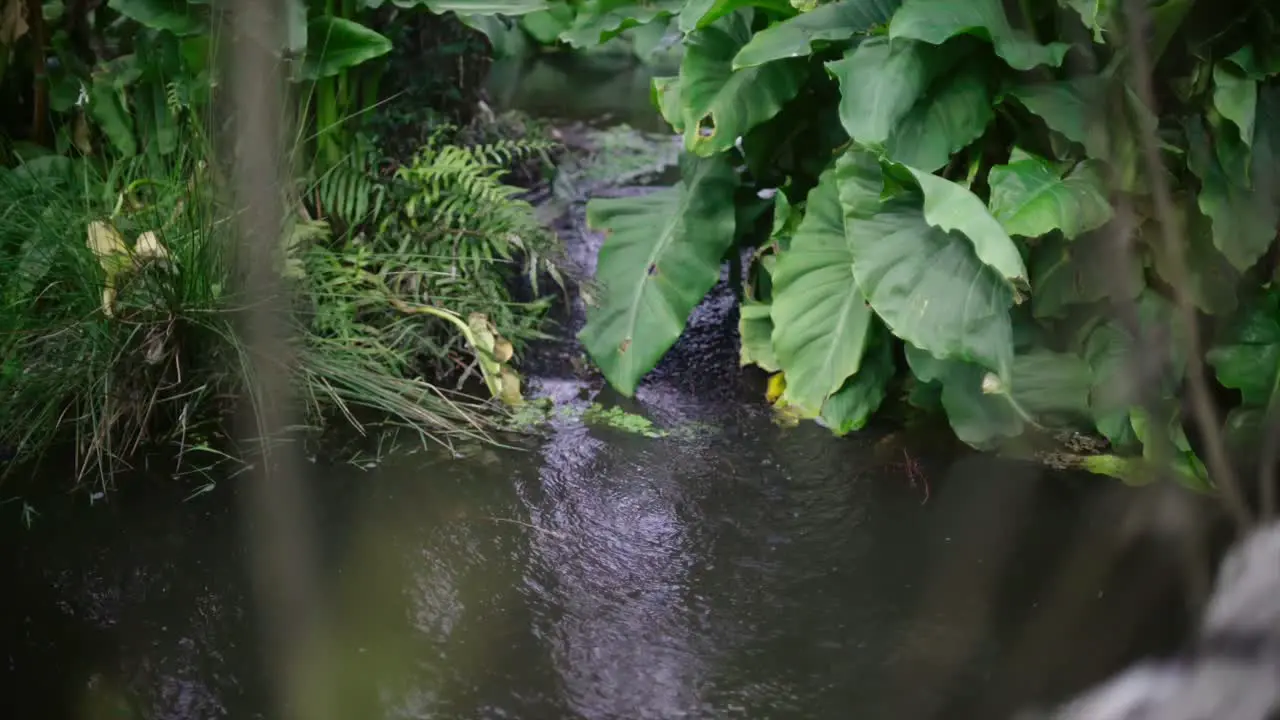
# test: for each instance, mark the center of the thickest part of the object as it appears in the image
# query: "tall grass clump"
(121, 321)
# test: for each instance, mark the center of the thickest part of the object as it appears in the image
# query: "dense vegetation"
(121, 326)
(998, 208)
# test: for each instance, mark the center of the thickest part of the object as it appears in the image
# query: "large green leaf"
(820, 318)
(600, 20)
(1244, 210)
(180, 17)
(1066, 274)
(837, 21)
(1107, 349)
(1044, 388)
(661, 255)
(335, 44)
(950, 206)
(936, 21)
(1032, 198)
(720, 104)
(1248, 357)
(928, 285)
(860, 396)
(1235, 96)
(920, 103)
(1071, 107)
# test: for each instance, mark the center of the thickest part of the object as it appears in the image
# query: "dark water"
(734, 569)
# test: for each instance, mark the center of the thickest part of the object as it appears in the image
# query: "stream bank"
(729, 568)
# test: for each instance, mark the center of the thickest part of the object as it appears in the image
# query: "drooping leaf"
(661, 255)
(853, 404)
(821, 320)
(796, 37)
(335, 44)
(1067, 274)
(180, 17)
(936, 21)
(719, 104)
(1031, 198)
(600, 20)
(1112, 391)
(1044, 388)
(920, 103)
(950, 206)
(1247, 358)
(755, 331)
(108, 108)
(928, 285)
(1235, 96)
(978, 419)
(1244, 214)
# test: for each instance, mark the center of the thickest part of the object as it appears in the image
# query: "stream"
(730, 569)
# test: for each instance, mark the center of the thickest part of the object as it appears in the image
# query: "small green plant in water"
(619, 419)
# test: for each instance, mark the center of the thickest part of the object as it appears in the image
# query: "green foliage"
(964, 208)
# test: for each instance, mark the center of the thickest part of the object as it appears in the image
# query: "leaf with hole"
(719, 104)
(661, 255)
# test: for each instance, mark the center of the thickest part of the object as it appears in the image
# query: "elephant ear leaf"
(936, 21)
(797, 36)
(719, 104)
(821, 320)
(1031, 198)
(931, 286)
(661, 255)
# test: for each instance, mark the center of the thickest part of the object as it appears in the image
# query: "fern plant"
(455, 204)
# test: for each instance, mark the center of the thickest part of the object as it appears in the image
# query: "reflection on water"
(571, 86)
(735, 570)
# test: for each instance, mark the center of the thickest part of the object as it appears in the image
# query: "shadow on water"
(732, 569)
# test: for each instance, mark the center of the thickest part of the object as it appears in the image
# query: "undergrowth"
(120, 327)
